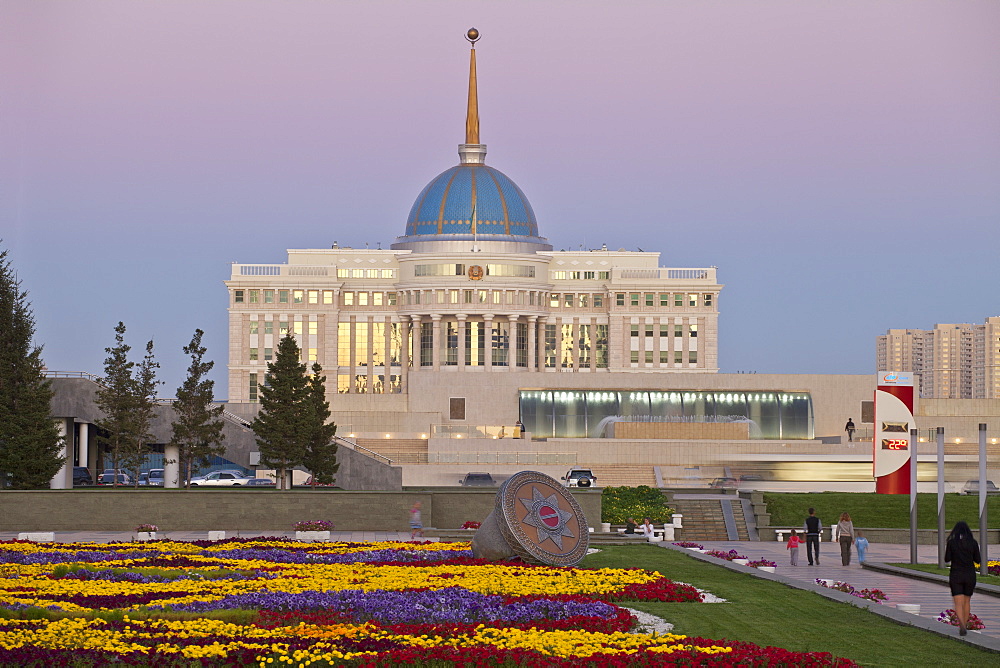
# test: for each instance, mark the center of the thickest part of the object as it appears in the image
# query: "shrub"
(620, 503)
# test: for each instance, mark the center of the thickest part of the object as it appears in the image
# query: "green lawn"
(769, 613)
(884, 511)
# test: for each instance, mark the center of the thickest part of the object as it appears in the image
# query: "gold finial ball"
(472, 35)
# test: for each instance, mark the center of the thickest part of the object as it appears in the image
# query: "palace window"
(649, 299)
(253, 326)
(282, 296)
(314, 296)
(253, 354)
(268, 327)
(598, 301)
(253, 296)
(634, 298)
(238, 296)
(268, 296)
(298, 296)
(620, 299)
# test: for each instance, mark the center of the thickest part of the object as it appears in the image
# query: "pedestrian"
(416, 524)
(845, 534)
(518, 429)
(963, 554)
(862, 544)
(630, 525)
(849, 428)
(647, 528)
(793, 547)
(503, 431)
(813, 527)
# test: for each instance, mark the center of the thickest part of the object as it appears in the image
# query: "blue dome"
(458, 195)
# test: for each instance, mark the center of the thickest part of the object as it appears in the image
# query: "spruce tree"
(197, 429)
(145, 385)
(321, 450)
(283, 426)
(116, 400)
(30, 449)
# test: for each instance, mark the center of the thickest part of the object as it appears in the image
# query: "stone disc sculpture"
(536, 519)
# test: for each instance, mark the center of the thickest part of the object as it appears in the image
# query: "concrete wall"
(237, 510)
(361, 472)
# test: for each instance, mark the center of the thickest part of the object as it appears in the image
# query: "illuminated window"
(328, 296)
(362, 299)
(360, 344)
(601, 346)
(282, 329)
(343, 344)
(238, 296)
(312, 355)
(314, 296)
(692, 300)
(377, 298)
(313, 327)
(693, 331)
(550, 345)
(297, 327)
(584, 345)
(253, 326)
(554, 300)
(298, 296)
(566, 347)
(348, 299)
(253, 354)
(582, 303)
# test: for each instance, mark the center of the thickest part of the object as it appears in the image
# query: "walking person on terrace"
(963, 554)
(845, 534)
(849, 428)
(812, 529)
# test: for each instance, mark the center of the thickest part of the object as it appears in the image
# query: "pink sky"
(838, 161)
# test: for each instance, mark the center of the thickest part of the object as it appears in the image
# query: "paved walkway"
(932, 597)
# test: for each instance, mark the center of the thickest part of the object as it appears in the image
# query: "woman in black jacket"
(963, 553)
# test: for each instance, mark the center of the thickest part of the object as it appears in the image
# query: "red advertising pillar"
(893, 420)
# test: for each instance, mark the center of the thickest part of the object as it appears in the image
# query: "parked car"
(477, 479)
(143, 479)
(221, 479)
(260, 482)
(724, 483)
(155, 478)
(580, 478)
(108, 478)
(972, 487)
(81, 476)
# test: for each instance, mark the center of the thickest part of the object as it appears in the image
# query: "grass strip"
(885, 511)
(772, 614)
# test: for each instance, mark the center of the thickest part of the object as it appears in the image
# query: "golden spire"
(472, 116)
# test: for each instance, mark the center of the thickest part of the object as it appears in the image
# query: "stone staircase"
(704, 518)
(623, 475)
(399, 450)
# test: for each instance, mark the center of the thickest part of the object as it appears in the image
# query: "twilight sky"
(838, 161)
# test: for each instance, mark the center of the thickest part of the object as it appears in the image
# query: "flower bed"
(259, 601)
(876, 595)
(949, 616)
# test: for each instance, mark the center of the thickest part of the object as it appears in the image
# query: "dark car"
(108, 479)
(260, 482)
(81, 476)
(477, 480)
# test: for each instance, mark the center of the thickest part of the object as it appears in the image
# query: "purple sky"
(838, 161)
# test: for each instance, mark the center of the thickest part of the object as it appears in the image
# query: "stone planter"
(312, 535)
(741, 562)
(216, 535)
(146, 535)
(766, 569)
(605, 527)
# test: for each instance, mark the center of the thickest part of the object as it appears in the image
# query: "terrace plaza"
(440, 347)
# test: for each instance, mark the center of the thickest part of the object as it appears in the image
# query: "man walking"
(849, 428)
(813, 527)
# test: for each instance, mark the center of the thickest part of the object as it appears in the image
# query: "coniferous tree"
(116, 399)
(321, 450)
(30, 452)
(283, 426)
(145, 385)
(197, 429)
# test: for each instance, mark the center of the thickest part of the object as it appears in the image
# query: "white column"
(532, 342)
(415, 334)
(461, 340)
(436, 340)
(404, 354)
(171, 466)
(512, 343)
(488, 344)
(66, 470)
(83, 454)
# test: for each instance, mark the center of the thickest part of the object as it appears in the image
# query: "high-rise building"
(953, 361)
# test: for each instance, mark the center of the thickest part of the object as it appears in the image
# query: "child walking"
(793, 547)
(862, 544)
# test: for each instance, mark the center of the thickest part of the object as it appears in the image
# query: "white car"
(580, 478)
(221, 479)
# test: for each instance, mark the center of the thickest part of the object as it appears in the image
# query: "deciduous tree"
(30, 449)
(197, 429)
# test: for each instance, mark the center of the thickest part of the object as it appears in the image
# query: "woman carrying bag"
(845, 534)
